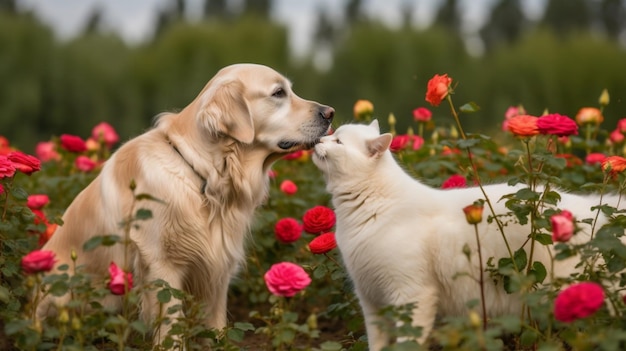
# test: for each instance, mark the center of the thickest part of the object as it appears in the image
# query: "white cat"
(402, 241)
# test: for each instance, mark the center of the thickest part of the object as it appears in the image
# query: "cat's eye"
(279, 93)
(338, 141)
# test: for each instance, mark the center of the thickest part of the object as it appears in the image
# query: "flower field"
(293, 293)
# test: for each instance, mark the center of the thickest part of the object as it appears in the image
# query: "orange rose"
(473, 213)
(523, 125)
(614, 164)
(363, 109)
(438, 88)
(590, 115)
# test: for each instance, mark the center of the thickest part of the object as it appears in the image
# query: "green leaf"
(101, 240)
(19, 193)
(528, 337)
(544, 239)
(140, 327)
(330, 346)
(470, 107)
(539, 271)
(143, 214)
(527, 194)
(235, 335)
(164, 296)
(320, 271)
(521, 259)
(244, 326)
(467, 143)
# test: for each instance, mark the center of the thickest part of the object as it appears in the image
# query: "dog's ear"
(379, 145)
(224, 109)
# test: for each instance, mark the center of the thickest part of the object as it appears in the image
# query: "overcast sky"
(134, 19)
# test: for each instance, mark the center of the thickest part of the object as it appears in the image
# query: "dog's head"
(254, 104)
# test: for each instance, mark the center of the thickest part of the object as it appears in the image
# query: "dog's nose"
(327, 112)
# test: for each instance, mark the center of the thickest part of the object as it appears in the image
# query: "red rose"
(286, 279)
(26, 164)
(438, 88)
(578, 301)
(73, 143)
(38, 261)
(318, 219)
(84, 163)
(556, 124)
(287, 230)
(399, 142)
(120, 282)
(288, 187)
(7, 169)
(37, 201)
(422, 114)
(454, 181)
(323, 243)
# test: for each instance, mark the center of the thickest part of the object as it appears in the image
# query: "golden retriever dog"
(208, 165)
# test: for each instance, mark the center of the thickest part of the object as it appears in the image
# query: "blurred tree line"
(559, 62)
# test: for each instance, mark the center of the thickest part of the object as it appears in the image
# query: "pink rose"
(616, 136)
(26, 164)
(578, 301)
(621, 125)
(120, 282)
(46, 151)
(73, 143)
(286, 279)
(318, 219)
(37, 201)
(418, 141)
(422, 114)
(288, 187)
(7, 169)
(287, 230)
(104, 132)
(85, 164)
(38, 261)
(556, 124)
(323, 243)
(562, 226)
(454, 181)
(595, 158)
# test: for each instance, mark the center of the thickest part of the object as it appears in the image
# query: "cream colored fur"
(402, 241)
(244, 119)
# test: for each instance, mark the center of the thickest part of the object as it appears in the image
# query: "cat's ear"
(379, 145)
(374, 125)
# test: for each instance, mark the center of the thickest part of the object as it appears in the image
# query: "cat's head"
(351, 148)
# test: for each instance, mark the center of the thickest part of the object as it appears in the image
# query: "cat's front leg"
(377, 336)
(423, 314)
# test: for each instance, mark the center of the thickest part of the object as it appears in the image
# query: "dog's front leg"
(157, 313)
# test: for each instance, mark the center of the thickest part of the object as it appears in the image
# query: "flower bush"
(293, 293)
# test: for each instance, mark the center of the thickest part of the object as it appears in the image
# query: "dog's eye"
(279, 93)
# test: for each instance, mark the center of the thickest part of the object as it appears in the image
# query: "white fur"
(402, 241)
